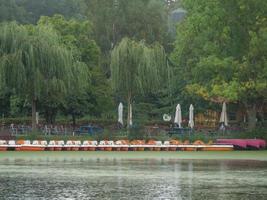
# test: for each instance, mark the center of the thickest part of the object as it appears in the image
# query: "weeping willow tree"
(137, 69)
(76, 99)
(34, 62)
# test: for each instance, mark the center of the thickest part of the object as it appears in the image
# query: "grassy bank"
(80, 156)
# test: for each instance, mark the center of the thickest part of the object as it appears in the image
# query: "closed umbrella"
(191, 116)
(37, 118)
(131, 116)
(223, 118)
(120, 114)
(178, 116)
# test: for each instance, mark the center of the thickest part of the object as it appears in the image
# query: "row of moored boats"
(106, 145)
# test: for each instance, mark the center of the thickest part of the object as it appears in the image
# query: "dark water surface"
(140, 178)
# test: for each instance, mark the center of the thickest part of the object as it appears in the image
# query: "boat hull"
(124, 149)
(75, 149)
(172, 148)
(91, 149)
(88, 148)
(67, 148)
(140, 148)
(217, 149)
(108, 149)
(190, 149)
(156, 149)
(153, 148)
(50, 148)
(105, 148)
(117, 148)
(29, 148)
(3, 148)
(164, 149)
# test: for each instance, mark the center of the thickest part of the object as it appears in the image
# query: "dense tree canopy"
(96, 96)
(33, 62)
(29, 11)
(140, 20)
(220, 50)
(137, 69)
(64, 56)
(11, 11)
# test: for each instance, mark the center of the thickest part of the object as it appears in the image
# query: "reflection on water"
(132, 179)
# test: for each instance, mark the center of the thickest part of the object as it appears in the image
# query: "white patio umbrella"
(178, 116)
(191, 116)
(131, 116)
(37, 118)
(223, 118)
(120, 114)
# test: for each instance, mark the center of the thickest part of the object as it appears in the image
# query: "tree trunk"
(73, 122)
(34, 101)
(47, 117)
(53, 114)
(53, 118)
(251, 111)
(129, 108)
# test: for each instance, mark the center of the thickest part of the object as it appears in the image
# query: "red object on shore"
(256, 142)
(244, 143)
(3, 148)
(30, 148)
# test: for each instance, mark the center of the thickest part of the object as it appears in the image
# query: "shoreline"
(178, 155)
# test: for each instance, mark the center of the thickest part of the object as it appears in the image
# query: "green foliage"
(115, 19)
(33, 62)
(219, 51)
(63, 63)
(139, 19)
(29, 11)
(16, 105)
(67, 8)
(89, 93)
(110, 23)
(76, 35)
(137, 68)
(10, 11)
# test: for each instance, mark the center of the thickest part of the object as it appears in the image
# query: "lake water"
(98, 177)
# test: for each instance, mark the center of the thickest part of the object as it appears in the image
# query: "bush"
(136, 133)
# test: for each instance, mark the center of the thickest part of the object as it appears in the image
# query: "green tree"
(37, 8)
(10, 11)
(139, 19)
(94, 99)
(115, 19)
(137, 69)
(33, 61)
(76, 35)
(220, 52)
(76, 100)
(29, 11)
